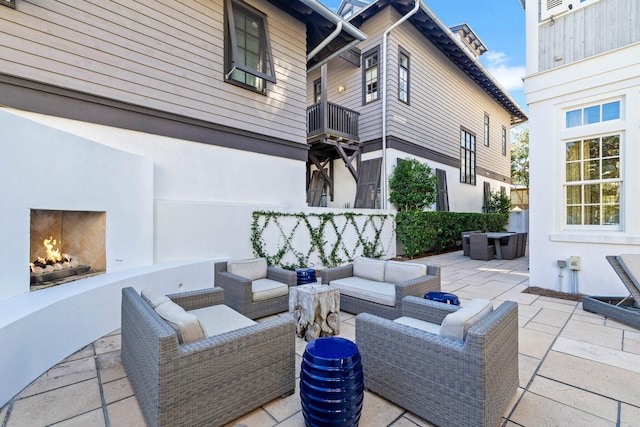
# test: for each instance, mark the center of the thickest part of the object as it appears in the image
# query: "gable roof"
(437, 33)
(321, 23)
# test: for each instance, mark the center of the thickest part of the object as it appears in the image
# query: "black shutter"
(314, 194)
(443, 195)
(368, 184)
(486, 197)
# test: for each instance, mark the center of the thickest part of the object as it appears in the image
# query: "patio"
(576, 368)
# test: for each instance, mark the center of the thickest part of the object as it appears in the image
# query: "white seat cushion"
(252, 269)
(369, 290)
(218, 319)
(367, 268)
(419, 324)
(185, 324)
(456, 324)
(154, 297)
(264, 289)
(398, 271)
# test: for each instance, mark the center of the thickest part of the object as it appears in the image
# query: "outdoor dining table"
(496, 236)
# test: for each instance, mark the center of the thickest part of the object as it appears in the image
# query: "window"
(247, 55)
(467, 157)
(592, 114)
(593, 181)
(486, 129)
(403, 76)
(370, 76)
(504, 141)
(317, 90)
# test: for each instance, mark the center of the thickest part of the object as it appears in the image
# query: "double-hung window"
(370, 76)
(403, 76)
(248, 59)
(467, 157)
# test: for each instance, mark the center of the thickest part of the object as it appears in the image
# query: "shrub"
(412, 186)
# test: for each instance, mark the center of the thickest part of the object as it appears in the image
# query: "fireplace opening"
(66, 246)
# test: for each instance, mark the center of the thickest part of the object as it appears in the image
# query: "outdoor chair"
(377, 286)
(464, 236)
(230, 367)
(253, 288)
(509, 246)
(522, 247)
(480, 248)
(451, 372)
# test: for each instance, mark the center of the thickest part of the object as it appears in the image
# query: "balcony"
(333, 122)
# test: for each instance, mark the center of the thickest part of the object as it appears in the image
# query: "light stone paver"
(575, 367)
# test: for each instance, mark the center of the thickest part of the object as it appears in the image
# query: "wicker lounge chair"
(464, 236)
(207, 382)
(446, 381)
(509, 246)
(383, 295)
(241, 290)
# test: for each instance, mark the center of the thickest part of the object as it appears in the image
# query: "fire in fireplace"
(66, 246)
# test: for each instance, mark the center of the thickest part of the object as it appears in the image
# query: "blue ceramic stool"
(331, 383)
(444, 297)
(305, 276)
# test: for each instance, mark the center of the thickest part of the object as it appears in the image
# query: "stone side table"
(316, 309)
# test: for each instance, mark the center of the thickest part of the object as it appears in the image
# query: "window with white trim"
(403, 76)
(593, 181)
(370, 76)
(247, 55)
(592, 114)
(467, 157)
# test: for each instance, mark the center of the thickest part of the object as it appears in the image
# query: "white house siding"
(615, 74)
(160, 54)
(596, 28)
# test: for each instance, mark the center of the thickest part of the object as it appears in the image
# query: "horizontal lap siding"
(160, 54)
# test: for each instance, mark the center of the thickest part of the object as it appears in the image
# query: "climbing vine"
(293, 240)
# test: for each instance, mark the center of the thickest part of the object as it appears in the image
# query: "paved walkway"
(576, 368)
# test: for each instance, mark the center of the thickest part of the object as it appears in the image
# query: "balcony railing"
(337, 121)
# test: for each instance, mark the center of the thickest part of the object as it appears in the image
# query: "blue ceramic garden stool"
(444, 297)
(331, 383)
(306, 275)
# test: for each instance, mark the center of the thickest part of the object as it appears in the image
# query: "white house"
(583, 91)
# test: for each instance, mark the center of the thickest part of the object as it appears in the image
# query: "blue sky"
(500, 24)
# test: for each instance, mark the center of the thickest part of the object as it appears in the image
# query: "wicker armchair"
(480, 248)
(210, 381)
(509, 246)
(441, 379)
(464, 236)
(239, 290)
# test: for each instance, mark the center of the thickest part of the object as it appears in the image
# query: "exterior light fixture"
(341, 88)
(8, 3)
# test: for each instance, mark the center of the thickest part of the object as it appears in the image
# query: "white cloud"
(509, 76)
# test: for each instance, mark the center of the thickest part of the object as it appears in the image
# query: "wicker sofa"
(376, 286)
(253, 288)
(210, 381)
(445, 380)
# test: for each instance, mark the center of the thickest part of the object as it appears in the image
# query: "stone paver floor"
(576, 368)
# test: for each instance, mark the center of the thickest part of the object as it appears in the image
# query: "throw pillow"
(456, 324)
(186, 325)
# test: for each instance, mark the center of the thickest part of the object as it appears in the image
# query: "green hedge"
(420, 232)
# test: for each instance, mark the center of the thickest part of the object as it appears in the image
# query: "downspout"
(325, 42)
(383, 178)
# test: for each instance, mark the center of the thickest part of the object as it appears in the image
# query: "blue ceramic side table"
(444, 297)
(331, 383)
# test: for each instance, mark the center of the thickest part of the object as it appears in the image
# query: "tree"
(499, 203)
(413, 186)
(520, 158)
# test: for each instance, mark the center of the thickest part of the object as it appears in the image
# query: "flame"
(53, 253)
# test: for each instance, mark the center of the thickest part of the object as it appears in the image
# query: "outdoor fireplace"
(65, 246)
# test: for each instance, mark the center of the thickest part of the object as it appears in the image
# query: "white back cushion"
(154, 296)
(432, 328)
(367, 268)
(252, 269)
(398, 271)
(186, 325)
(456, 324)
(218, 319)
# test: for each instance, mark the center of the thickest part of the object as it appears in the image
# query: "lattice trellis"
(292, 240)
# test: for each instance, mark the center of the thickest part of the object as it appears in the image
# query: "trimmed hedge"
(420, 232)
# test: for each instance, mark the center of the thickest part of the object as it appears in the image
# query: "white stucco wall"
(613, 75)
